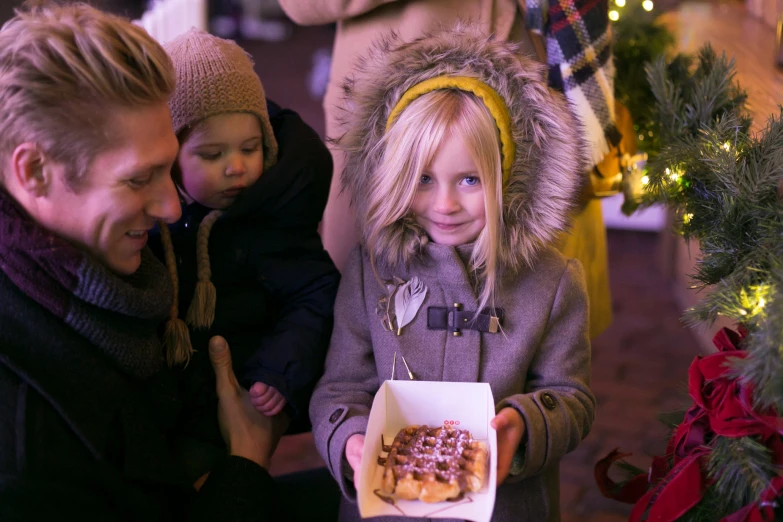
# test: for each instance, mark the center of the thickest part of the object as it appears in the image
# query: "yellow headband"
(492, 100)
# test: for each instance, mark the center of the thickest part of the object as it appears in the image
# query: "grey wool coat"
(540, 363)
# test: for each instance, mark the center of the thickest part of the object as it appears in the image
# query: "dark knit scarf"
(579, 55)
(119, 315)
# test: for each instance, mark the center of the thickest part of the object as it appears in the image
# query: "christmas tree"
(724, 460)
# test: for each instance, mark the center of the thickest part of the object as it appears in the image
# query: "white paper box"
(468, 405)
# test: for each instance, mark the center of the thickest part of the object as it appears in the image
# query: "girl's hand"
(353, 454)
(511, 428)
(266, 399)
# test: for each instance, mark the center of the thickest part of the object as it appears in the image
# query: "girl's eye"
(250, 150)
(208, 156)
(471, 180)
(425, 179)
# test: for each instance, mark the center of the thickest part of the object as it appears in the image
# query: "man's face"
(126, 190)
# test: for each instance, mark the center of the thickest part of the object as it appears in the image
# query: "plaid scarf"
(579, 56)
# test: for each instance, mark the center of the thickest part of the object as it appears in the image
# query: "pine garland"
(724, 186)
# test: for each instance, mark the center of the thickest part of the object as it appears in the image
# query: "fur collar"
(548, 170)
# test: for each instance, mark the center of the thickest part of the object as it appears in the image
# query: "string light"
(619, 3)
(647, 5)
(687, 218)
(614, 15)
(645, 180)
(752, 302)
(727, 146)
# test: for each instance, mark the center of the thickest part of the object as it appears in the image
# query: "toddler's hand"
(353, 454)
(511, 428)
(266, 399)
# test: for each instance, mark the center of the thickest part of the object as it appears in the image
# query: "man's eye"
(139, 182)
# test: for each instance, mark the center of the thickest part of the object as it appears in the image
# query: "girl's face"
(449, 201)
(222, 157)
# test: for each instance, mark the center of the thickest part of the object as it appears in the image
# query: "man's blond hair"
(63, 69)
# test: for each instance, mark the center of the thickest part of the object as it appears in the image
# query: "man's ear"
(29, 169)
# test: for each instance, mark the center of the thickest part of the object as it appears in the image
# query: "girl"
(463, 166)
(246, 256)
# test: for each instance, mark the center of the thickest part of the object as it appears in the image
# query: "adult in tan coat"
(359, 23)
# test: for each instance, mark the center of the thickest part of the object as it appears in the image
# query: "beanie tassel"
(201, 312)
(176, 336)
(176, 339)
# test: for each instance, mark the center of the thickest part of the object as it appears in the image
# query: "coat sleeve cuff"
(536, 452)
(334, 447)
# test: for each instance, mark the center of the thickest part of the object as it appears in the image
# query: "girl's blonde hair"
(407, 149)
(63, 68)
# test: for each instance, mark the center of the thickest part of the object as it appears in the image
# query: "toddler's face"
(222, 157)
(449, 202)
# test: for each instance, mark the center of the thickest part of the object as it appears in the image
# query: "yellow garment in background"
(586, 242)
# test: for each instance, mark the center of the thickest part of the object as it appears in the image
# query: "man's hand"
(266, 399)
(246, 433)
(511, 428)
(353, 454)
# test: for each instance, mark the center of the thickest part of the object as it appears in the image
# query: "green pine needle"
(742, 469)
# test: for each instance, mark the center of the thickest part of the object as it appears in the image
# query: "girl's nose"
(446, 202)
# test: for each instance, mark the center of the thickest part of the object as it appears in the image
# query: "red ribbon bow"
(722, 406)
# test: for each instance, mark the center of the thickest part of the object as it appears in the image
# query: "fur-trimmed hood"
(548, 170)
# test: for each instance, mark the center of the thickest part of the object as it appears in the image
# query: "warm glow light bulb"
(727, 146)
(619, 3)
(645, 180)
(647, 5)
(614, 15)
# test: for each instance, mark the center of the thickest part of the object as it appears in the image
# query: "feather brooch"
(407, 298)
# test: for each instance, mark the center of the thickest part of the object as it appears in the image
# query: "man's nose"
(165, 205)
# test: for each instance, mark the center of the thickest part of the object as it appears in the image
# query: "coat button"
(336, 415)
(548, 401)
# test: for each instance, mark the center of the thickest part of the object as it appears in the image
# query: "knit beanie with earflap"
(213, 76)
(216, 76)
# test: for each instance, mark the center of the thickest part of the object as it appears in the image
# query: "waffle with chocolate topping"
(433, 464)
